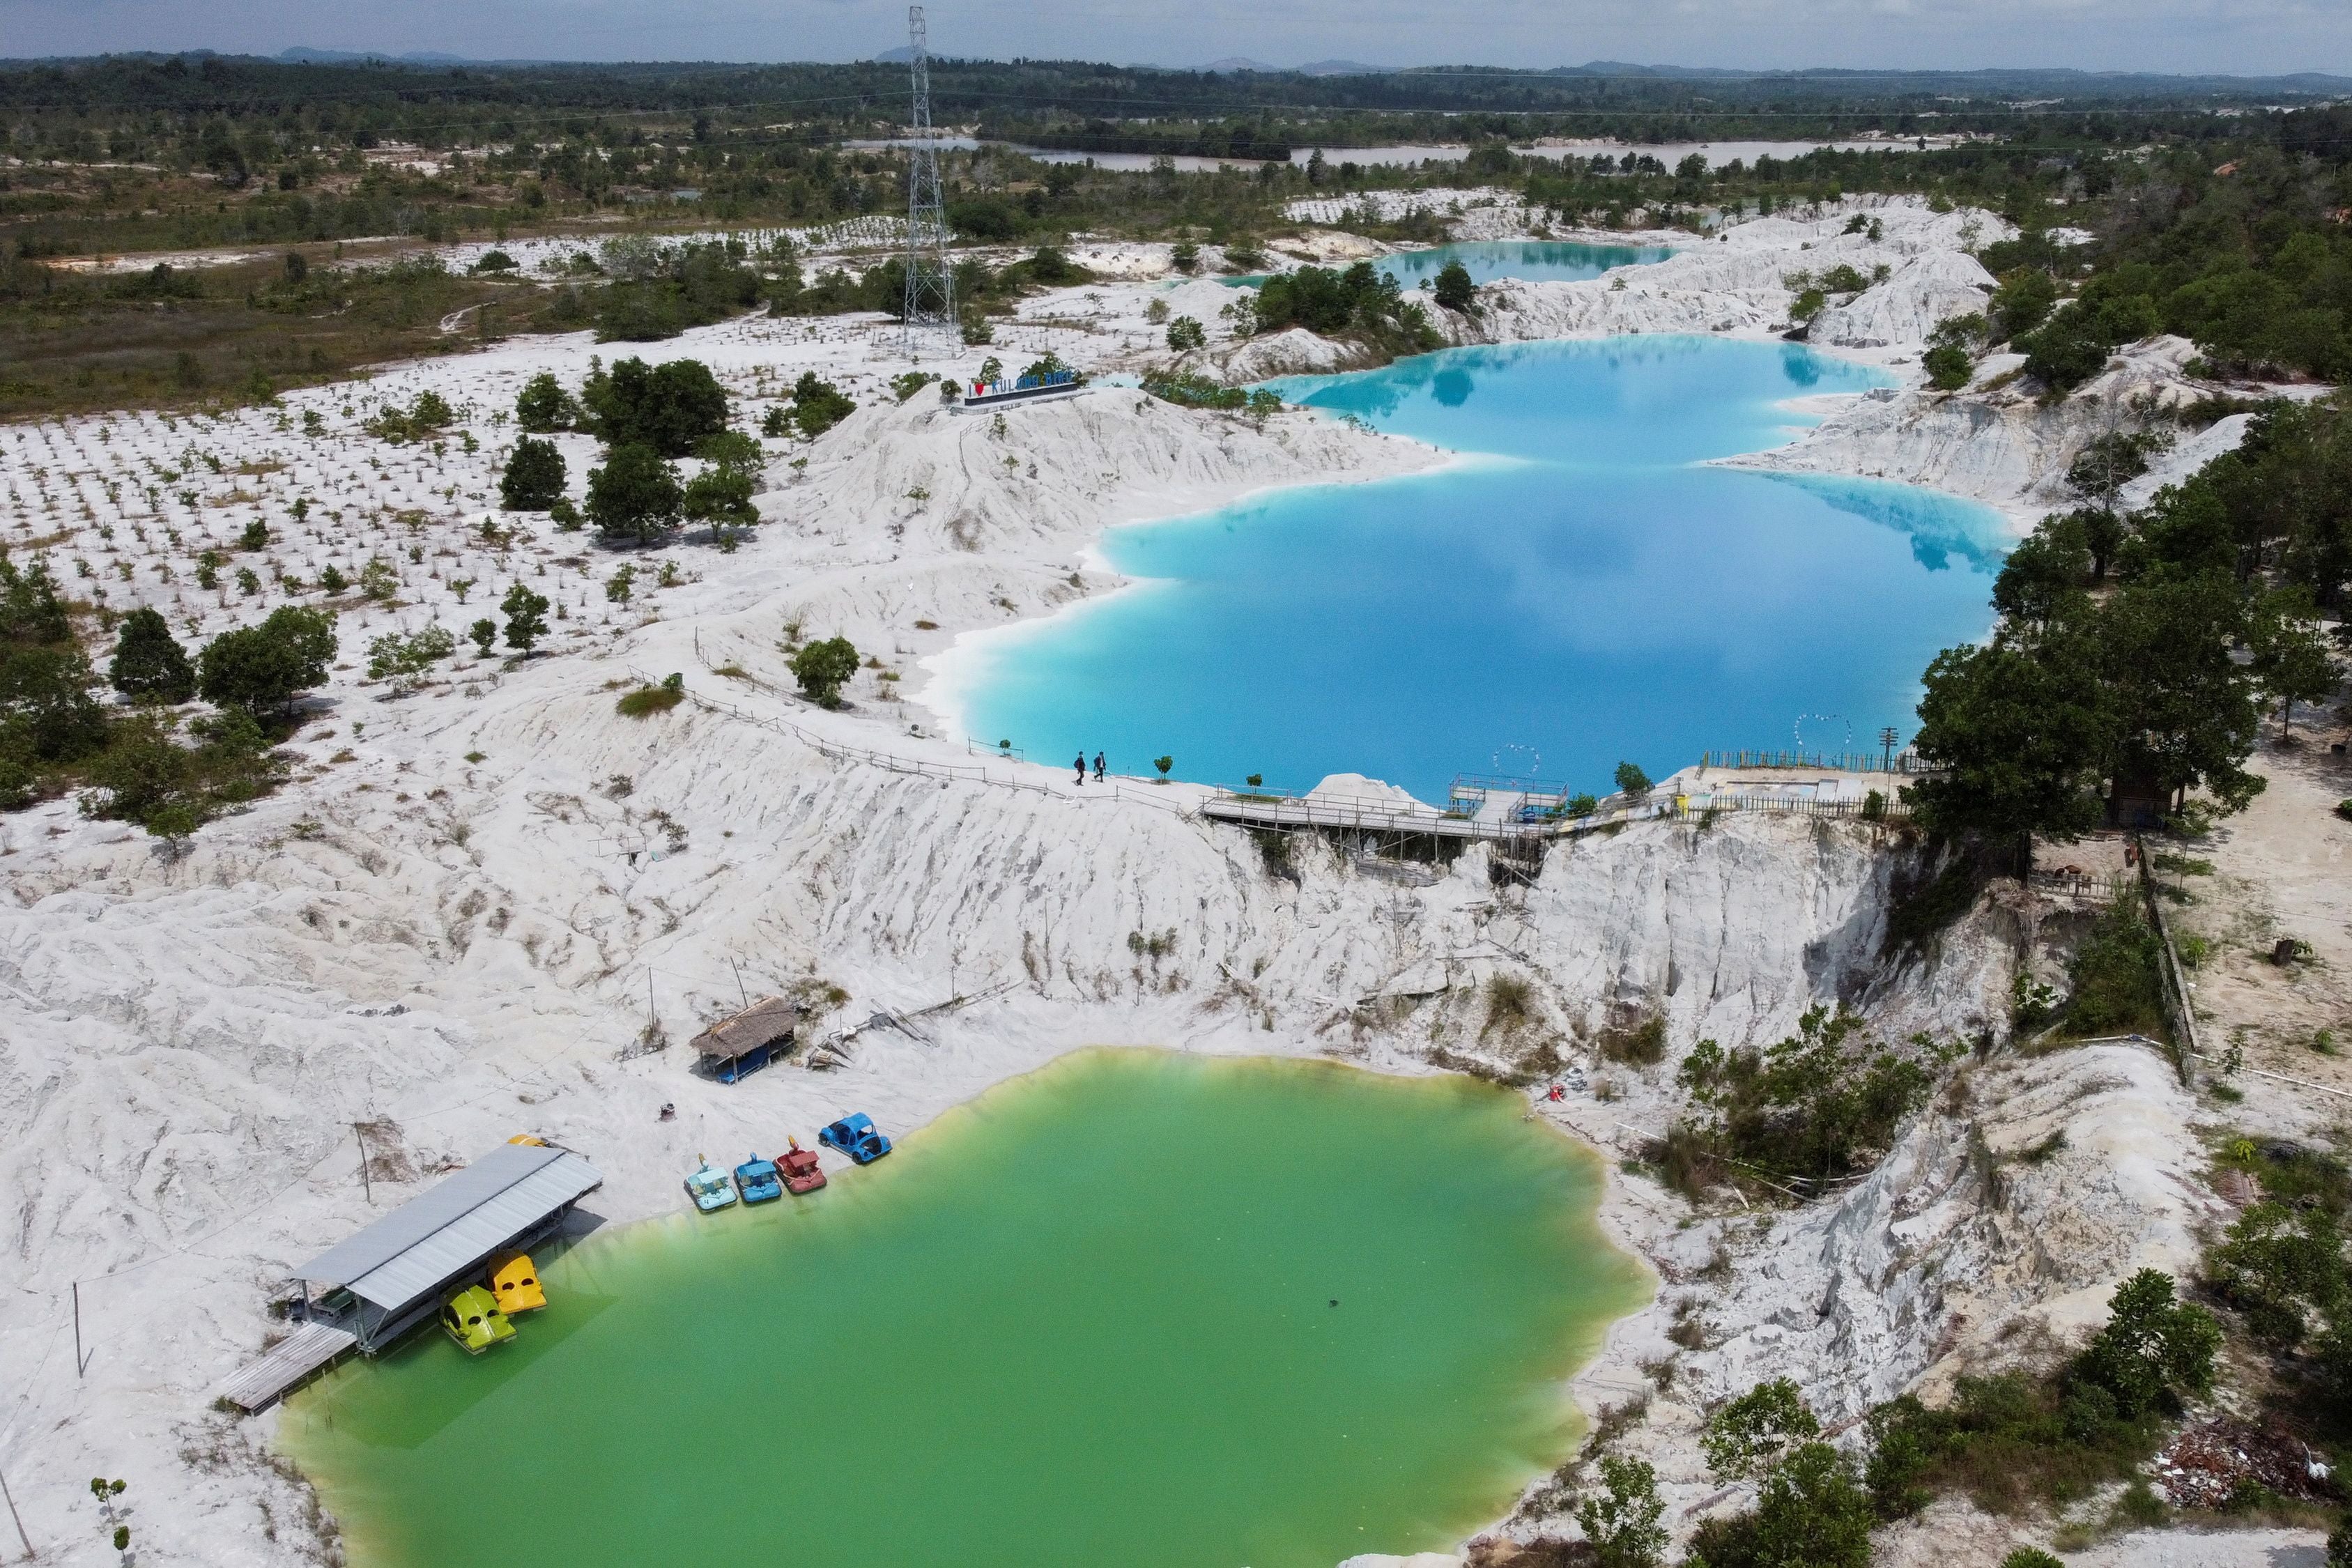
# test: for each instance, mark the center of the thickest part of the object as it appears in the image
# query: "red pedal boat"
(800, 1169)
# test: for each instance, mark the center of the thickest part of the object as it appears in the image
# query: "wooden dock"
(308, 1350)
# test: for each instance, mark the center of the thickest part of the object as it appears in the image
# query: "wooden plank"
(262, 1384)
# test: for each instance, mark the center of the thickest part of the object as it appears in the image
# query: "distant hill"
(298, 54)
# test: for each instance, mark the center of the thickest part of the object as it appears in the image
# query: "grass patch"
(647, 700)
(2115, 976)
(1510, 1004)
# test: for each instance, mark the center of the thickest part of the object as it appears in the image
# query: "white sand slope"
(458, 919)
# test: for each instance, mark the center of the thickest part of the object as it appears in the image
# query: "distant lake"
(1532, 260)
(1582, 588)
(1717, 153)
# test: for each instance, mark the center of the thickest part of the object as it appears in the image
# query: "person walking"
(1098, 768)
(1082, 767)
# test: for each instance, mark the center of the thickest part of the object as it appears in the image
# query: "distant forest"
(2213, 208)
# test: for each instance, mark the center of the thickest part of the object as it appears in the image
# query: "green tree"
(818, 405)
(30, 610)
(1454, 289)
(2043, 579)
(2185, 710)
(2022, 301)
(823, 667)
(1631, 780)
(1948, 367)
(265, 667)
(721, 493)
(149, 664)
(1621, 1521)
(534, 476)
(636, 495)
(2023, 733)
(668, 407)
(2106, 463)
(2290, 652)
(544, 404)
(526, 615)
(1185, 333)
(482, 634)
(2153, 1350)
(1752, 1433)
(1811, 1511)
(45, 707)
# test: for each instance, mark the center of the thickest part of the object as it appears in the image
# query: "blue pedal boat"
(759, 1181)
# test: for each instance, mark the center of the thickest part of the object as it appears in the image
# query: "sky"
(2242, 36)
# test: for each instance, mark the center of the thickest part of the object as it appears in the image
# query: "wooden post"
(29, 1553)
(739, 984)
(366, 1186)
(79, 1362)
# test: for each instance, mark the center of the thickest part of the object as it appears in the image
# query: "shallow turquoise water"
(1533, 261)
(1582, 593)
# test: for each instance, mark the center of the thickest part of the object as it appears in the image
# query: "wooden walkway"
(306, 1351)
(1358, 814)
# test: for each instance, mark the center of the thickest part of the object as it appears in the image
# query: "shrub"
(401, 659)
(1454, 289)
(526, 615)
(148, 777)
(1808, 1107)
(1636, 1045)
(818, 405)
(723, 492)
(534, 476)
(378, 581)
(1185, 333)
(149, 664)
(1812, 1509)
(823, 667)
(482, 634)
(1621, 1522)
(1948, 367)
(2115, 976)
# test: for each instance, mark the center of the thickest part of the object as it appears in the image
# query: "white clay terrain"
(447, 925)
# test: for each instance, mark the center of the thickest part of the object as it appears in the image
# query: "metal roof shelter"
(397, 1270)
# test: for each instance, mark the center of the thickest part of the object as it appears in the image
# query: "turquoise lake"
(1533, 261)
(1579, 589)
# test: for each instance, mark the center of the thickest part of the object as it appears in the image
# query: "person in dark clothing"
(1098, 768)
(1082, 767)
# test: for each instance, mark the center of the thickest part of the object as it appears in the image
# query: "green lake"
(1087, 1319)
